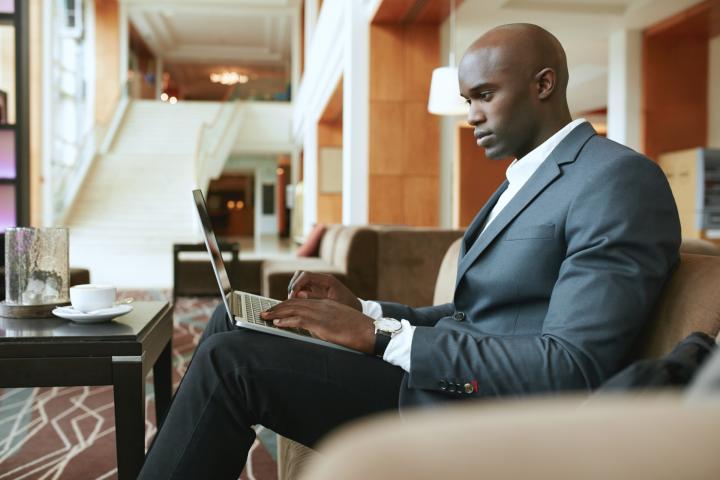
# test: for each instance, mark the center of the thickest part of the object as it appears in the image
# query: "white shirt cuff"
(371, 309)
(398, 350)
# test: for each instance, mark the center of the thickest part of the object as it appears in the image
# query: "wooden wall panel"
(421, 201)
(675, 93)
(386, 137)
(329, 208)
(675, 79)
(107, 54)
(386, 61)
(329, 134)
(387, 197)
(422, 137)
(404, 138)
(421, 54)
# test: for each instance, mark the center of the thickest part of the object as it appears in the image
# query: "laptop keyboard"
(253, 305)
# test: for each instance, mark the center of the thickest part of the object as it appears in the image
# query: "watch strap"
(382, 340)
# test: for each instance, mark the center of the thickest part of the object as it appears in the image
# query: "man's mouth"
(483, 138)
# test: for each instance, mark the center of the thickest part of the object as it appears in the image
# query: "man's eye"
(485, 96)
(467, 101)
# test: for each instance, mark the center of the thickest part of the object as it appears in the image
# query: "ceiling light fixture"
(445, 96)
(228, 78)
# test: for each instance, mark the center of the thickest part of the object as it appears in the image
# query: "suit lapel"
(549, 170)
(475, 227)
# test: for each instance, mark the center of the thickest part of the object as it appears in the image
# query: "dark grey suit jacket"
(553, 294)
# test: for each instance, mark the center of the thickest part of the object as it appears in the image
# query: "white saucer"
(97, 316)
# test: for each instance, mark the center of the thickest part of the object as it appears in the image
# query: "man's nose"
(475, 116)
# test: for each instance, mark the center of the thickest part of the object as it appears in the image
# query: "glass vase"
(37, 270)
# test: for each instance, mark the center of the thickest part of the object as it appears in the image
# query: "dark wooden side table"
(55, 352)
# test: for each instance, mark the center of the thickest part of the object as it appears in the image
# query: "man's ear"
(545, 79)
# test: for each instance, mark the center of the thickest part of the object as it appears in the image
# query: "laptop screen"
(213, 248)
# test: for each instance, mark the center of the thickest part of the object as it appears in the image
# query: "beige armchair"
(649, 437)
(690, 302)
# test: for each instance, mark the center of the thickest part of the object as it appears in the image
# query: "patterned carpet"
(68, 433)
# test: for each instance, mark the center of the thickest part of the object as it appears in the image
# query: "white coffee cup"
(89, 297)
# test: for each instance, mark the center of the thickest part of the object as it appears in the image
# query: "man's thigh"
(298, 389)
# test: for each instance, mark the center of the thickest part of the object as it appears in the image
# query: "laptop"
(245, 307)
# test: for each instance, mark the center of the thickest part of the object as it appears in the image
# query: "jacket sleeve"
(622, 235)
(425, 316)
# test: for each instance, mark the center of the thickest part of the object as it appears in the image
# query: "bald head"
(526, 49)
(515, 79)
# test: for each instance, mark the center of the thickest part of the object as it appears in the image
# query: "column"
(624, 115)
(310, 161)
(355, 116)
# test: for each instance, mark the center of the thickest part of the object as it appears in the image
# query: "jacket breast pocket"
(528, 232)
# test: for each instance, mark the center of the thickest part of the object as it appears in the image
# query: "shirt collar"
(520, 170)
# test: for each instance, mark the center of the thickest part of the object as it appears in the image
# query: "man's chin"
(495, 152)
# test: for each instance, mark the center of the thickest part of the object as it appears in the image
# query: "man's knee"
(228, 350)
(219, 321)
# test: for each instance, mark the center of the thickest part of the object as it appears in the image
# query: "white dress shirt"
(518, 173)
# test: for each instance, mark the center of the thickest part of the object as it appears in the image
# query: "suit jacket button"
(459, 316)
(469, 388)
(443, 385)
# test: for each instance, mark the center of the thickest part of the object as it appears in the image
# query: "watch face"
(387, 325)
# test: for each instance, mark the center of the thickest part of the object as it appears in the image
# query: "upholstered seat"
(690, 302)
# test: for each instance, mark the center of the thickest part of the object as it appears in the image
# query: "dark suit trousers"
(239, 378)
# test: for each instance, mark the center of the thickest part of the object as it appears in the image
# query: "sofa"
(654, 436)
(355, 255)
(373, 261)
(690, 302)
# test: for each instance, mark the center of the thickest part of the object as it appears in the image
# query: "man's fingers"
(293, 284)
(312, 295)
(286, 309)
(289, 322)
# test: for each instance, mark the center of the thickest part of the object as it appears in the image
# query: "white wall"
(714, 94)
(266, 127)
(625, 87)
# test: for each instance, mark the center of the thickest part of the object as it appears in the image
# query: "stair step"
(136, 202)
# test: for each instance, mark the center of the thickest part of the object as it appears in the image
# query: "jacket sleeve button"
(443, 385)
(459, 316)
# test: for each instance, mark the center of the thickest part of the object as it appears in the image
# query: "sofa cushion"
(327, 244)
(311, 247)
(699, 247)
(356, 251)
(445, 284)
(689, 303)
(408, 263)
(277, 273)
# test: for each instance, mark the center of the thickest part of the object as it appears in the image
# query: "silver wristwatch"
(385, 329)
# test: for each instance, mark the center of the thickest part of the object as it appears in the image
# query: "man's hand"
(326, 319)
(319, 286)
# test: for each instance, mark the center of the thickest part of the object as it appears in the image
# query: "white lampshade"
(445, 96)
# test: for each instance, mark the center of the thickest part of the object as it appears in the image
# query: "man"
(557, 274)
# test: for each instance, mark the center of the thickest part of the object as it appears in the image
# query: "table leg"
(162, 380)
(129, 393)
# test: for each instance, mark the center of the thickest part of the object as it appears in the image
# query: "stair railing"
(215, 141)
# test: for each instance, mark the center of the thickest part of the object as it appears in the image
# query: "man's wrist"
(385, 330)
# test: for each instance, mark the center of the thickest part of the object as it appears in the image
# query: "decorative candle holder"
(37, 270)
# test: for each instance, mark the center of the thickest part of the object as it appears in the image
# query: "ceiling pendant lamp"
(445, 96)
